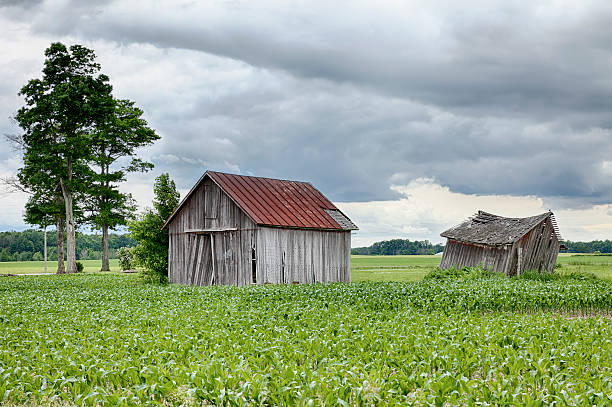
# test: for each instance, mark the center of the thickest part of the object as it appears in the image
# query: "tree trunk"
(59, 244)
(105, 261)
(70, 228)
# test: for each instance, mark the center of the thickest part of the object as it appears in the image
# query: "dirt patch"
(602, 315)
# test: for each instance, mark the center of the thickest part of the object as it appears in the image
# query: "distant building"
(237, 230)
(504, 245)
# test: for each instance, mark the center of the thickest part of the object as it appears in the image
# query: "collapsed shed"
(505, 245)
(237, 230)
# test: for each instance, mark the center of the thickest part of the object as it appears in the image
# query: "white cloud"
(426, 209)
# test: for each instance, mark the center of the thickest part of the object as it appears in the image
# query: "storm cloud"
(480, 97)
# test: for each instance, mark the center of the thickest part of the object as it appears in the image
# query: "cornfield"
(107, 340)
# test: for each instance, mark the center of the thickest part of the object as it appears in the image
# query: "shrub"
(151, 253)
(80, 267)
(126, 258)
(462, 274)
(542, 276)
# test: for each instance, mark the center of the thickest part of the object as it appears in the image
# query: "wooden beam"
(204, 231)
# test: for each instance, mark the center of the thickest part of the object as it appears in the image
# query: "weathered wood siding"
(539, 249)
(302, 256)
(225, 256)
(536, 250)
(191, 257)
(459, 254)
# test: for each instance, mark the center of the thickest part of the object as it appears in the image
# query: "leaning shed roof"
(275, 202)
(486, 228)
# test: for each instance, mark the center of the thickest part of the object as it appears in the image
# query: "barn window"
(253, 266)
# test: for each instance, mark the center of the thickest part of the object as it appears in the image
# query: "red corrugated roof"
(274, 202)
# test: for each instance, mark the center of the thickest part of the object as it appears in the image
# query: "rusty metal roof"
(276, 202)
(486, 228)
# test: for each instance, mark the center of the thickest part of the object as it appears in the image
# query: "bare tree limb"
(15, 139)
(11, 185)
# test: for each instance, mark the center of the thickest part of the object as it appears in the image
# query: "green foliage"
(476, 273)
(14, 246)
(601, 246)
(103, 340)
(166, 197)
(126, 258)
(555, 276)
(462, 274)
(80, 267)
(60, 111)
(399, 247)
(117, 137)
(151, 253)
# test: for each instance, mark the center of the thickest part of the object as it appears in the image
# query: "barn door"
(200, 260)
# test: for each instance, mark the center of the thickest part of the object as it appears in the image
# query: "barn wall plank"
(309, 255)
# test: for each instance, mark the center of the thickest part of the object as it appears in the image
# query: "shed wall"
(459, 254)
(303, 256)
(229, 252)
(539, 249)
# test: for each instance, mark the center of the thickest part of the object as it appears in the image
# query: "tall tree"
(58, 120)
(152, 249)
(115, 140)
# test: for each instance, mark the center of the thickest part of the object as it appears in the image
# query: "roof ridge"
(257, 177)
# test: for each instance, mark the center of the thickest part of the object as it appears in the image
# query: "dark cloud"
(501, 60)
(482, 98)
(25, 4)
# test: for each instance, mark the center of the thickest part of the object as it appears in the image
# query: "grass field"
(414, 268)
(35, 267)
(104, 339)
(368, 268)
(392, 268)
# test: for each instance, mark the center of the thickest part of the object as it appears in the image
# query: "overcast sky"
(410, 115)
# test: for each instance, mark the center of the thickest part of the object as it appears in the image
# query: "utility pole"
(45, 246)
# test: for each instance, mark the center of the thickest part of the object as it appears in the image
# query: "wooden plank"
(198, 277)
(205, 231)
(212, 251)
(190, 261)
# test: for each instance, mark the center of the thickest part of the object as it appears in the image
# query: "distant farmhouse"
(237, 230)
(505, 245)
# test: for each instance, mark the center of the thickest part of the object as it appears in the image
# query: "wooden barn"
(236, 230)
(505, 245)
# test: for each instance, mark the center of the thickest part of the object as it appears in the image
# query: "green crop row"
(105, 340)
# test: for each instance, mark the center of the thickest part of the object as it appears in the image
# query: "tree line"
(28, 245)
(405, 246)
(601, 246)
(78, 143)
(399, 247)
